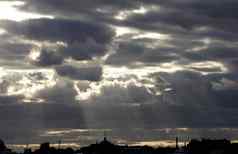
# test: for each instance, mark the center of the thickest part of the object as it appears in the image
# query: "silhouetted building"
(207, 146)
(204, 146)
(2, 146)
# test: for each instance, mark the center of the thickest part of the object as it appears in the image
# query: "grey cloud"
(14, 51)
(84, 40)
(62, 92)
(9, 100)
(137, 51)
(90, 73)
(232, 64)
(60, 30)
(188, 85)
(117, 94)
(84, 50)
(213, 52)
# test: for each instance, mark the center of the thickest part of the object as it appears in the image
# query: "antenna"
(177, 143)
(105, 135)
(59, 144)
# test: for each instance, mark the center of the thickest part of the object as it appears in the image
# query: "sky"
(141, 71)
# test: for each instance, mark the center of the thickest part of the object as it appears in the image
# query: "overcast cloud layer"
(159, 68)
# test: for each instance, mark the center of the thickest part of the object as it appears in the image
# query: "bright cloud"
(10, 11)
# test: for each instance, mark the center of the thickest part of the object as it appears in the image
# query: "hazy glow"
(9, 11)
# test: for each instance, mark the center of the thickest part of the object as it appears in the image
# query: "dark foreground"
(204, 146)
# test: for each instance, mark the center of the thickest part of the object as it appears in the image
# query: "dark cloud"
(8, 100)
(80, 7)
(46, 57)
(90, 73)
(84, 50)
(84, 40)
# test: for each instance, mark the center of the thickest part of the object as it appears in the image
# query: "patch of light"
(118, 72)
(95, 89)
(202, 29)
(120, 31)
(9, 11)
(151, 36)
(34, 54)
(141, 77)
(2, 73)
(28, 82)
(123, 15)
(35, 100)
(207, 41)
(69, 131)
(82, 94)
(139, 34)
(19, 39)
(18, 147)
(200, 48)
(163, 143)
(2, 31)
(141, 10)
(124, 77)
(204, 67)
